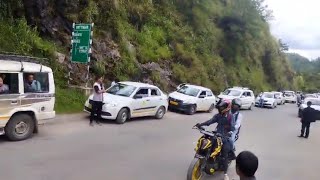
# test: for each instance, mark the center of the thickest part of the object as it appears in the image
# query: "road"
(147, 149)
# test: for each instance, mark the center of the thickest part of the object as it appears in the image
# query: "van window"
(9, 83)
(155, 92)
(36, 82)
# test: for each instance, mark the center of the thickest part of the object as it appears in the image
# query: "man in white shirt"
(235, 111)
(97, 101)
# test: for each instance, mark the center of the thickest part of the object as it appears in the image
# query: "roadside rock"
(60, 57)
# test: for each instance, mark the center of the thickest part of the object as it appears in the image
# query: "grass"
(69, 100)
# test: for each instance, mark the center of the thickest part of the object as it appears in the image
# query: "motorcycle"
(208, 155)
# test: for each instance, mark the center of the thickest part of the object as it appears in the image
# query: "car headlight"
(188, 101)
(112, 104)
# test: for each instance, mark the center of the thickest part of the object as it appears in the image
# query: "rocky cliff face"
(165, 42)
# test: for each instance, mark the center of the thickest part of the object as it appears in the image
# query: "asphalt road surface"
(148, 149)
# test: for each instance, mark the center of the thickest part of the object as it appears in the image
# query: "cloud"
(297, 24)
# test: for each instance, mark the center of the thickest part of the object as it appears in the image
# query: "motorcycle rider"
(237, 116)
(225, 127)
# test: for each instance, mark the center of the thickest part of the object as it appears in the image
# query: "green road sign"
(81, 43)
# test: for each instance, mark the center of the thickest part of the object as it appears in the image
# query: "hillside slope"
(214, 43)
(308, 72)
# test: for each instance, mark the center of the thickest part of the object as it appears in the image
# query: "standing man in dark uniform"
(306, 119)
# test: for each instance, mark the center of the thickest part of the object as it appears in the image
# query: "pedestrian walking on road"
(97, 101)
(307, 118)
(246, 165)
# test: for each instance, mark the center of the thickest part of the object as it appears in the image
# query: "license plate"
(173, 103)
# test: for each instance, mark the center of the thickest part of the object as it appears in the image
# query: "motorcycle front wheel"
(194, 170)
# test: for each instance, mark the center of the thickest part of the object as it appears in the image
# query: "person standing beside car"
(308, 116)
(97, 100)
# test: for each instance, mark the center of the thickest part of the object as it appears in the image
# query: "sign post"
(81, 42)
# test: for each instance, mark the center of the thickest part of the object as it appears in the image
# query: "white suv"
(127, 100)
(190, 98)
(244, 94)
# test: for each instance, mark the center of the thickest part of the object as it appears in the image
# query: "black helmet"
(223, 106)
(237, 102)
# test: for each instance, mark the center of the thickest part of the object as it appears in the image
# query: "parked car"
(127, 100)
(290, 96)
(191, 98)
(311, 96)
(315, 105)
(244, 94)
(279, 98)
(266, 99)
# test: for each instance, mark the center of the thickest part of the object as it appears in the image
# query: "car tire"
(160, 113)
(26, 125)
(192, 109)
(250, 108)
(122, 116)
(211, 108)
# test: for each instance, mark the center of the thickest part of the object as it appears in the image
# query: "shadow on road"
(3, 139)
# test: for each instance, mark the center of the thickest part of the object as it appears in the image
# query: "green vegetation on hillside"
(308, 72)
(214, 43)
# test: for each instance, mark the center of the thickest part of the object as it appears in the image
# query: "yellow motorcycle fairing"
(203, 144)
(217, 150)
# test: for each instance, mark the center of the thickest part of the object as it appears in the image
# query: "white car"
(266, 99)
(279, 98)
(127, 100)
(190, 99)
(290, 96)
(315, 105)
(244, 94)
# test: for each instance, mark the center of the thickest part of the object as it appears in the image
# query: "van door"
(9, 94)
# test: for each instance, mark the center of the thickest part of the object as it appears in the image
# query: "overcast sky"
(297, 23)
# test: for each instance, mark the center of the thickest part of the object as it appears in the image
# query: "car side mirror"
(242, 96)
(138, 96)
(202, 96)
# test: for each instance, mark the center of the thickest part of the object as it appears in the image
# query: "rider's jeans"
(232, 139)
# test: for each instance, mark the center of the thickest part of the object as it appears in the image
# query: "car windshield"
(187, 90)
(288, 93)
(267, 95)
(231, 92)
(121, 90)
(313, 101)
(311, 95)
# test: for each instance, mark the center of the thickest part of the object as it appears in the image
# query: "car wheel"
(250, 108)
(160, 113)
(20, 127)
(123, 116)
(211, 108)
(192, 109)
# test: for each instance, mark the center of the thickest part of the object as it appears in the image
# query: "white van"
(244, 94)
(27, 96)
